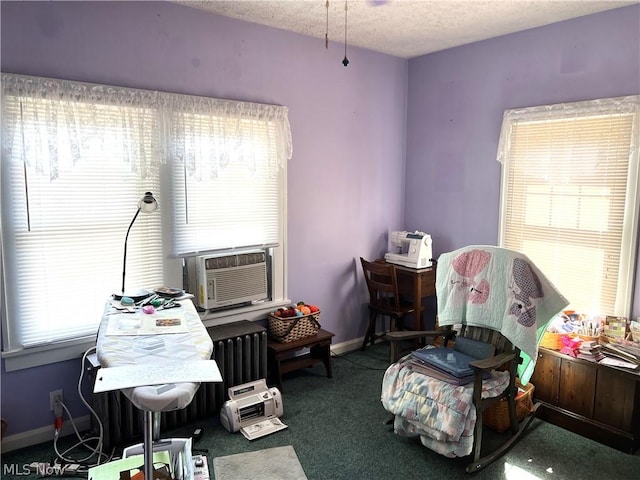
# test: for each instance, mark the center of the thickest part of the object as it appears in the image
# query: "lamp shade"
(148, 203)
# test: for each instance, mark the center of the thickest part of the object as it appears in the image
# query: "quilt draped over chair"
(483, 289)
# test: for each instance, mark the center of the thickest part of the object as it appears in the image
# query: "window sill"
(45, 355)
(251, 313)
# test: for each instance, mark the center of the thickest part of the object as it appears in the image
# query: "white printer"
(254, 409)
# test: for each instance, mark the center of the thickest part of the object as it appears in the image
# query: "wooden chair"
(506, 357)
(383, 298)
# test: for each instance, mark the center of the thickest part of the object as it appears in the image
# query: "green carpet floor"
(337, 428)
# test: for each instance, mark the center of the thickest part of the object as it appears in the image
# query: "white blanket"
(440, 413)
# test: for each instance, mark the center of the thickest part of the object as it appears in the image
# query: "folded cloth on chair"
(446, 360)
(434, 372)
(501, 289)
(437, 411)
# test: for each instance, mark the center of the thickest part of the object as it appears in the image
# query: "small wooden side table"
(281, 361)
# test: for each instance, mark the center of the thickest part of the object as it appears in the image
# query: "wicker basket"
(552, 341)
(496, 416)
(590, 338)
(289, 329)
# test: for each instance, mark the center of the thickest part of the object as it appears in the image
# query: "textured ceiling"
(406, 28)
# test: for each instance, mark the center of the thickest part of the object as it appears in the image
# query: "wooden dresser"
(593, 400)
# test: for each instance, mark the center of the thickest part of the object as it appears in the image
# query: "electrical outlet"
(55, 398)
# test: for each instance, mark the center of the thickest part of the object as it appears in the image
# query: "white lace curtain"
(144, 127)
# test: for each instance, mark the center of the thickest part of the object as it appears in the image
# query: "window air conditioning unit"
(227, 280)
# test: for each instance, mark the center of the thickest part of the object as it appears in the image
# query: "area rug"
(279, 463)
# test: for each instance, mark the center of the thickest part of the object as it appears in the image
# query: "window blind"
(73, 197)
(570, 199)
(238, 202)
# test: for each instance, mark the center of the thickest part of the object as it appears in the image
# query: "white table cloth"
(119, 350)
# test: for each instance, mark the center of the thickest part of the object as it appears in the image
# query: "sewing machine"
(414, 249)
(254, 409)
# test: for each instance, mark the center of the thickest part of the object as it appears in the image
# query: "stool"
(155, 399)
(281, 361)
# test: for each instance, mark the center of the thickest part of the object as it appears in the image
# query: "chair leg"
(479, 464)
(392, 351)
(513, 414)
(517, 429)
(393, 326)
(371, 330)
(477, 436)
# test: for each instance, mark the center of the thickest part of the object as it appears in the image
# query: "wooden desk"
(417, 284)
(282, 362)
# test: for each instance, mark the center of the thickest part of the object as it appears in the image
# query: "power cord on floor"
(344, 357)
(64, 463)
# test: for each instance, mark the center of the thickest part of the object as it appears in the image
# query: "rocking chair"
(506, 357)
(503, 303)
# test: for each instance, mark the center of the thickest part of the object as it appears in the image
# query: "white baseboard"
(43, 434)
(348, 346)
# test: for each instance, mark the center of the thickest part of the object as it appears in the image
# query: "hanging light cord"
(345, 61)
(326, 35)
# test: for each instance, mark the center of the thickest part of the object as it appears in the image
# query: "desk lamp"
(147, 204)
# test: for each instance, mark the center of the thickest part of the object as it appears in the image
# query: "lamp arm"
(124, 259)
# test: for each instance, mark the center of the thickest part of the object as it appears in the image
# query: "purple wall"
(455, 106)
(345, 190)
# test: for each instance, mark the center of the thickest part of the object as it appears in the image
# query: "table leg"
(323, 352)
(155, 428)
(148, 444)
(277, 373)
(327, 361)
(417, 303)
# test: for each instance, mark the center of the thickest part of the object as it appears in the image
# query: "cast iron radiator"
(239, 349)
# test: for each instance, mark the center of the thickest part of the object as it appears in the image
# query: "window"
(570, 195)
(243, 207)
(77, 158)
